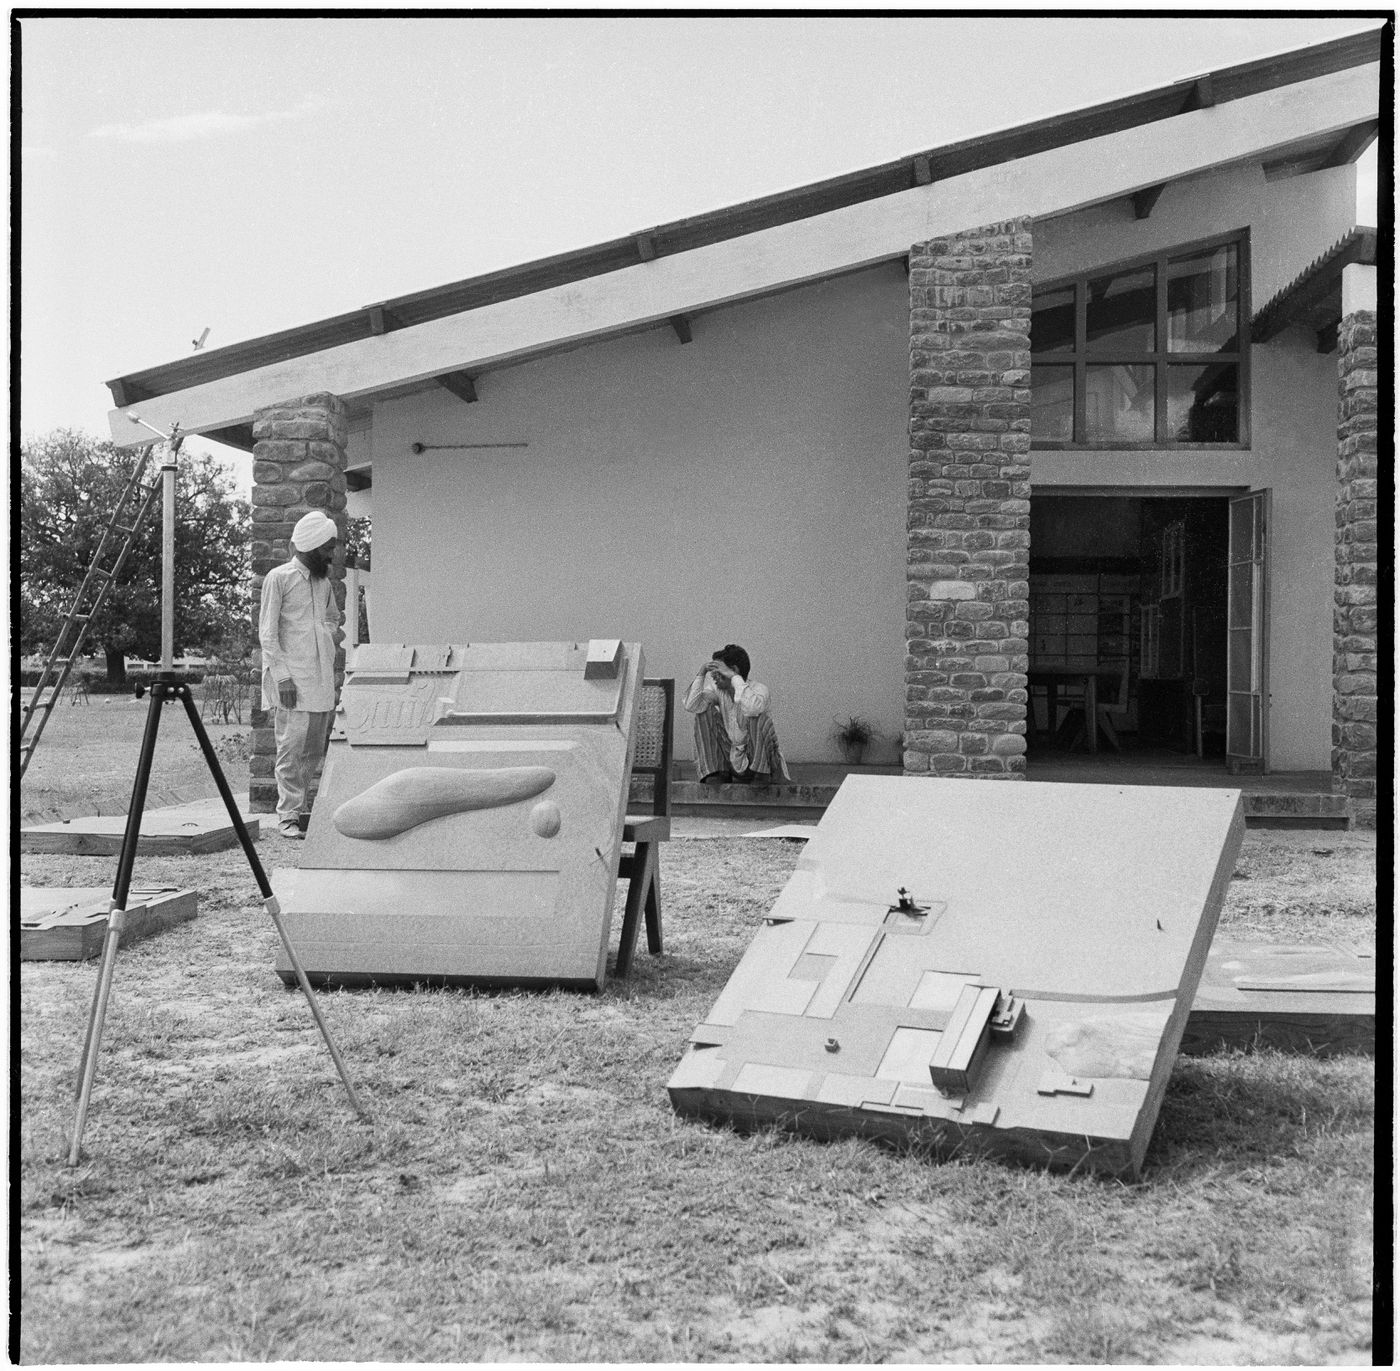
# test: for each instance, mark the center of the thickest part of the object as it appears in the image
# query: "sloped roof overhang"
(1223, 116)
(1313, 299)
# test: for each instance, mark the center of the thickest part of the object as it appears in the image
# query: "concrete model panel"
(1000, 967)
(469, 821)
(68, 925)
(174, 830)
(1298, 997)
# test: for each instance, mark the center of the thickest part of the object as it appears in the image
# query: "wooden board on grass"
(70, 924)
(1316, 998)
(470, 817)
(172, 831)
(999, 967)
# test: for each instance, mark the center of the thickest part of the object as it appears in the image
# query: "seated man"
(734, 735)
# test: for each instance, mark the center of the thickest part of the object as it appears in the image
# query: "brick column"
(1355, 605)
(967, 619)
(298, 466)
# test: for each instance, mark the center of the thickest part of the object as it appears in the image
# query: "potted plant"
(853, 735)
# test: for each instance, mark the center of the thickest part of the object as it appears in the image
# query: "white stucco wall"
(750, 486)
(746, 487)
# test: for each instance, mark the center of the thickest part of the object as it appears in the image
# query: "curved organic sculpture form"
(420, 793)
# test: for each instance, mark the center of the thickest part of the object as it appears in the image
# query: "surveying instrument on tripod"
(170, 686)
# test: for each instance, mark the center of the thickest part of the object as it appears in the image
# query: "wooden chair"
(1075, 726)
(78, 690)
(1107, 707)
(641, 868)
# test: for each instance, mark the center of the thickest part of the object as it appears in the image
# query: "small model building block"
(999, 968)
(604, 659)
(468, 827)
(70, 925)
(963, 1043)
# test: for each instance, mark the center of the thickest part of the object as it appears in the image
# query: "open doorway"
(1128, 627)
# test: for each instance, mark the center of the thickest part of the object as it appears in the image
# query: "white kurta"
(296, 631)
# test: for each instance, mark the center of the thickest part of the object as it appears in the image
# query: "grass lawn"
(526, 1193)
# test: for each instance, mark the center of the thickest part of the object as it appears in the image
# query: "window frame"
(1079, 357)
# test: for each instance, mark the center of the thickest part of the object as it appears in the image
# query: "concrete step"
(1301, 800)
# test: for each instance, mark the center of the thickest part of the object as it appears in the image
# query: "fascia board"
(1057, 181)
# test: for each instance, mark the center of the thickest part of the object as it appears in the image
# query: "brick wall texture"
(966, 621)
(298, 466)
(1355, 607)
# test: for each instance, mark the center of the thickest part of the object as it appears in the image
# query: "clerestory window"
(1150, 353)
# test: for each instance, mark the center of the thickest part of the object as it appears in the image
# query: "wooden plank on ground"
(1088, 909)
(1318, 998)
(176, 830)
(57, 924)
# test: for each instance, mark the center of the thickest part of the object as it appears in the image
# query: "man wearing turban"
(297, 632)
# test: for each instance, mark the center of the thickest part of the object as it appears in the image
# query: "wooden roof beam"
(681, 325)
(382, 319)
(125, 393)
(1145, 201)
(1352, 144)
(646, 247)
(461, 385)
(1201, 95)
(923, 172)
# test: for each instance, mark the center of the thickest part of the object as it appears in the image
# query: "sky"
(244, 175)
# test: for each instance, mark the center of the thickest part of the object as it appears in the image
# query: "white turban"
(312, 530)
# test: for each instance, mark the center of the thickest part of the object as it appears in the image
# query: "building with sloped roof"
(1066, 432)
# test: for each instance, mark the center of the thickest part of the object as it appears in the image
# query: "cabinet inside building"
(1130, 591)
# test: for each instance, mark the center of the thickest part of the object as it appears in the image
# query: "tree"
(69, 485)
(357, 542)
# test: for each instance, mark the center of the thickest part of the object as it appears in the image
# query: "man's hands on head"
(287, 694)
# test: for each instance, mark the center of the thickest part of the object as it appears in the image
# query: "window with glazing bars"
(1149, 353)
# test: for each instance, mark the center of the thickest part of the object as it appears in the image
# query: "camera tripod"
(169, 686)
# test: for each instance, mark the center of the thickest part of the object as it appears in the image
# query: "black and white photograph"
(701, 686)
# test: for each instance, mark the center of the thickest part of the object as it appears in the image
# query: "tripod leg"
(269, 899)
(126, 862)
(88, 1068)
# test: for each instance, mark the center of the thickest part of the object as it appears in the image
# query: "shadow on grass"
(1251, 1108)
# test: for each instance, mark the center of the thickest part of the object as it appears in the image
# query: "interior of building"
(1128, 624)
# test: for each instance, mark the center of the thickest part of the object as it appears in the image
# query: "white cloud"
(187, 128)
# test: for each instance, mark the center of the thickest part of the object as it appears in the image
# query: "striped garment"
(759, 751)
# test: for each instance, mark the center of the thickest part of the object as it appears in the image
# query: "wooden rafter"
(460, 384)
(1201, 94)
(382, 319)
(1145, 201)
(1352, 144)
(681, 325)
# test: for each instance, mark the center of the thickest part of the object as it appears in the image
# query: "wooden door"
(1246, 720)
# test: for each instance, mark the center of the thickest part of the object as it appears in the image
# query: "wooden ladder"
(117, 540)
